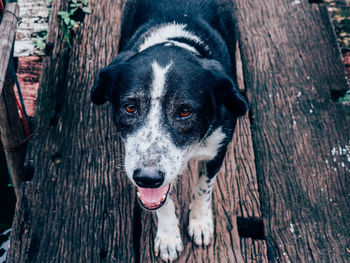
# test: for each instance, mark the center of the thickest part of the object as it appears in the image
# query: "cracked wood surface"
(77, 208)
(292, 67)
(11, 132)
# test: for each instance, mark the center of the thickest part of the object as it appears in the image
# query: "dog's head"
(165, 104)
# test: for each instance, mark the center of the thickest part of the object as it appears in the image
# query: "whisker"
(118, 166)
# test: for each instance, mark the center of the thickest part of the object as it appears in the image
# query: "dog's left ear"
(225, 90)
(108, 78)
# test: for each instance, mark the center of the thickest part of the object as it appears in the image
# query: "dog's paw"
(201, 227)
(168, 245)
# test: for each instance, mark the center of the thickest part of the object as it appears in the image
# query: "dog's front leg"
(168, 239)
(201, 226)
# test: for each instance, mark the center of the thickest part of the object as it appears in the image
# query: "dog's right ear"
(107, 78)
(225, 90)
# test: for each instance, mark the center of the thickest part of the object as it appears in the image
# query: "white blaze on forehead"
(168, 31)
(159, 78)
(152, 127)
(157, 91)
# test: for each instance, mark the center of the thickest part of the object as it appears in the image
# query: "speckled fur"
(201, 227)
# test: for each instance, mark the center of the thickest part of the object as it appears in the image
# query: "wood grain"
(301, 137)
(78, 207)
(8, 29)
(28, 74)
(254, 251)
(12, 134)
(11, 131)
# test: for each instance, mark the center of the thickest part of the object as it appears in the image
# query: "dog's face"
(166, 103)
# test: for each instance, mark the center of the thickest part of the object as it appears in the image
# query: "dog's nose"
(148, 177)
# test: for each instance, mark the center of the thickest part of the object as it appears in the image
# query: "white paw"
(168, 244)
(201, 227)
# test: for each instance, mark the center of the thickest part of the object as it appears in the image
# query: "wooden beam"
(301, 137)
(8, 30)
(12, 134)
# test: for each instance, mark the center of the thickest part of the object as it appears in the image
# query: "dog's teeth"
(162, 198)
(139, 194)
(158, 203)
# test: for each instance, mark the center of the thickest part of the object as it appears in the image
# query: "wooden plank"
(28, 74)
(12, 134)
(8, 29)
(246, 185)
(241, 154)
(254, 251)
(7, 195)
(78, 207)
(301, 137)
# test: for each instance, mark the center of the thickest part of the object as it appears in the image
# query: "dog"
(174, 95)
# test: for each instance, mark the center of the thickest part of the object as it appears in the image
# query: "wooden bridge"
(282, 193)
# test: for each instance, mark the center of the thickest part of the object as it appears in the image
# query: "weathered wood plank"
(254, 251)
(246, 184)
(243, 161)
(28, 74)
(301, 137)
(8, 29)
(78, 207)
(11, 132)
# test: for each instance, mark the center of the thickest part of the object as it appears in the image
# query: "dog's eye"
(130, 108)
(185, 112)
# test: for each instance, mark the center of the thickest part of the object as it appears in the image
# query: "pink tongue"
(152, 195)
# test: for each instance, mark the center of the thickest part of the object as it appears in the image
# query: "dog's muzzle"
(148, 180)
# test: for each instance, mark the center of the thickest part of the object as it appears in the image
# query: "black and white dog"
(173, 91)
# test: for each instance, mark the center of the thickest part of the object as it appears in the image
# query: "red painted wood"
(28, 74)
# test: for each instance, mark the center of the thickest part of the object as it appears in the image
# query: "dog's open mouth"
(152, 198)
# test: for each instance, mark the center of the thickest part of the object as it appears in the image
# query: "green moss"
(346, 97)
